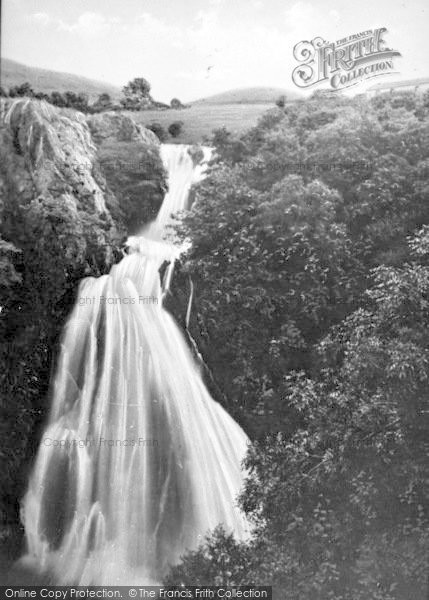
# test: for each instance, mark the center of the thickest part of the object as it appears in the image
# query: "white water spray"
(137, 461)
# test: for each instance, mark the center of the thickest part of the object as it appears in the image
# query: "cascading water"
(137, 461)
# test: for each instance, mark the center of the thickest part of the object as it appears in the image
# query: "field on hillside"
(200, 120)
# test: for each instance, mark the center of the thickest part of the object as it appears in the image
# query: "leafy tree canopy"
(309, 254)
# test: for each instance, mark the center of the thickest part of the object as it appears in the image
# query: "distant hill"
(253, 95)
(43, 80)
(421, 82)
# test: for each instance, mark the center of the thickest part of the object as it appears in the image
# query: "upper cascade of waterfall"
(183, 172)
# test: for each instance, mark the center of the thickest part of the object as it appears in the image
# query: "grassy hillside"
(421, 82)
(44, 80)
(199, 120)
(253, 95)
(237, 110)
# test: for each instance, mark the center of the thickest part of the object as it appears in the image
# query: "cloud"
(196, 75)
(41, 18)
(149, 27)
(210, 40)
(300, 12)
(304, 21)
(89, 24)
(207, 52)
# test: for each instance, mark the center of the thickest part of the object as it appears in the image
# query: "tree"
(57, 99)
(326, 365)
(76, 101)
(355, 472)
(175, 103)
(81, 102)
(175, 129)
(3, 93)
(220, 559)
(70, 100)
(228, 147)
(103, 102)
(24, 89)
(136, 94)
(352, 478)
(158, 130)
(281, 101)
(42, 96)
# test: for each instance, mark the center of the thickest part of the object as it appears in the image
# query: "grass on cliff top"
(200, 120)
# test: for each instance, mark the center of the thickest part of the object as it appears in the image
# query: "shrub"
(176, 128)
(136, 94)
(57, 99)
(24, 89)
(103, 102)
(281, 101)
(158, 130)
(175, 103)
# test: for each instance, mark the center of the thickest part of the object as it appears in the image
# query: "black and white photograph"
(214, 299)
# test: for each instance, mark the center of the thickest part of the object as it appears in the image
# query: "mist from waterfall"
(137, 462)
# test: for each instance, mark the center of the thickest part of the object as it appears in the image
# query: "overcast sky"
(194, 48)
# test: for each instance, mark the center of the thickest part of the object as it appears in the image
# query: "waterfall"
(137, 462)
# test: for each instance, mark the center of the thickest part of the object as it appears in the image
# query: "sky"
(194, 48)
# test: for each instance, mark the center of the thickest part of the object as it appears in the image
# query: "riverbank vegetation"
(310, 263)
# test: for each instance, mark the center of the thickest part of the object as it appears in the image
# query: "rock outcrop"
(128, 155)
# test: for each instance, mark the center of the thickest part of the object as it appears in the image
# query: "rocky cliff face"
(128, 155)
(64, 211)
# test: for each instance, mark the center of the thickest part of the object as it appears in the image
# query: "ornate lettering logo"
(344, 63)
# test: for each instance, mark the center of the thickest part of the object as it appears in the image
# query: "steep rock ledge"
(129, 159)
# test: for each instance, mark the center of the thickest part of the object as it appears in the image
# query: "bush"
(281, 101)
(57, 99)
(42, 96)
(176, 128)
(175, 103)
(136, 94)
(103, 102)
(76, 101)
(158, 130)
(18, 91)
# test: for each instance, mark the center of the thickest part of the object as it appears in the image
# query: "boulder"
(119, 127)
(130, 162)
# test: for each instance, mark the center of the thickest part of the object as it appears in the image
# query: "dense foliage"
(135, 96)
(310, 262)
(175, 128)
(158, 130)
